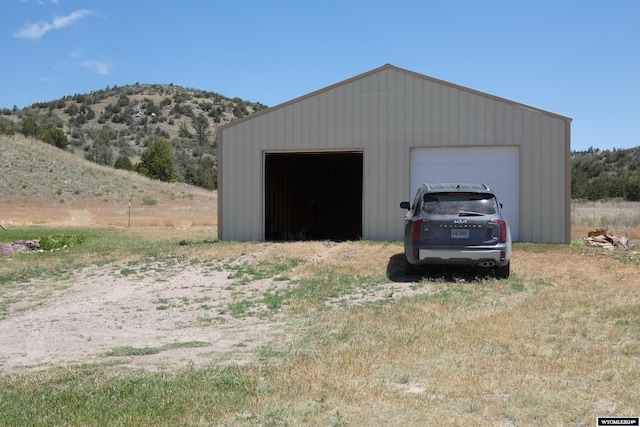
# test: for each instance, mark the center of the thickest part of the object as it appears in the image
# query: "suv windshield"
(459, 204)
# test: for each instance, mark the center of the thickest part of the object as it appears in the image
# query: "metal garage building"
(334, 164)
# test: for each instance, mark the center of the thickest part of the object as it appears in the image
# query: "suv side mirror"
(405, 205)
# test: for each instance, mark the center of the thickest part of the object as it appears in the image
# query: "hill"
(43, 185)
(114, 126)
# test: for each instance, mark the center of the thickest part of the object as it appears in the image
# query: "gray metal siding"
(385, 113)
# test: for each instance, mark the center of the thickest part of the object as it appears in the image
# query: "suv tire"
(503, 272)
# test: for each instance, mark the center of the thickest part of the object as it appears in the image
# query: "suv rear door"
(458, 219)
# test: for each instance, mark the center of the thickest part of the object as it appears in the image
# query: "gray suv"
(457, 224)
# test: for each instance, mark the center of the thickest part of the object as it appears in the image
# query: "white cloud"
(77, 53)
(36, 30)
(78, 57)
(99, 67)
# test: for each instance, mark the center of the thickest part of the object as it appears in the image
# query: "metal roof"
(402, 70)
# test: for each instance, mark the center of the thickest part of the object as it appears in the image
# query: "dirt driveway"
(105, 310)
(177, 312)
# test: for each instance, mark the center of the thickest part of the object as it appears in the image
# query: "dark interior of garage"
(313, 196)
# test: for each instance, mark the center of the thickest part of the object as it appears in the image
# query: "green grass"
(60, 241)
(143, 351)
(79, 397)
(240, 308)
(300, 294)
(277, 269)
(88, 246)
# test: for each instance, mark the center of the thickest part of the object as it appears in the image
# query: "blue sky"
(580, 59)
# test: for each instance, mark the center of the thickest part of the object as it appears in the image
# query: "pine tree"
(157, 162)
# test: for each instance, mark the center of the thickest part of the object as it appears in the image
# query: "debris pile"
(600, 237)
(19, 246)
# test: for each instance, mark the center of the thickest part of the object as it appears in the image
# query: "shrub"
(149, 201)
(123, 162)
(31, 126)
(55, 137)
(58, 241)
(6, 127)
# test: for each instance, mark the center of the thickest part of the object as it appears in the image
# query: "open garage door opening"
(313, 196)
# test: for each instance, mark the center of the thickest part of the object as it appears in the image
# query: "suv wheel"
(410, 269)
(503, 272)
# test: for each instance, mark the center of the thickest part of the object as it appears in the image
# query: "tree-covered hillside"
(597, 174)
(123, 127)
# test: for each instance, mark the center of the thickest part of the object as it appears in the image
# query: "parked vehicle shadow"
(442, 273)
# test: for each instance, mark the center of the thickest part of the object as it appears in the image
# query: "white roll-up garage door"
(498, 167)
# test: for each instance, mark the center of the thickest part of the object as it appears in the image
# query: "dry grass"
(47, 186)
(557, 345)
(619, 216)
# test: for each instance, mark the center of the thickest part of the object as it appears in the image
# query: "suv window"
(459, 204)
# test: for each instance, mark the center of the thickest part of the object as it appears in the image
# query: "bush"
(55, 137)
(123, 162)
(6, 127)
(31, 126)
(59, 241)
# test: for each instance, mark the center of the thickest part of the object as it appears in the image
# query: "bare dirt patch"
(178, 310)
(107, 308)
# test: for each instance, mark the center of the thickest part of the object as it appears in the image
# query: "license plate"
(459, 233)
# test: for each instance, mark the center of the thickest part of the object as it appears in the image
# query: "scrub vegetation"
(123, 127)
(606, 174)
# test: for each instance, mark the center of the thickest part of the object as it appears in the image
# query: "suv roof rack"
(450, 186)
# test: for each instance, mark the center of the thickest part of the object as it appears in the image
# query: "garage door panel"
(498, 167)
